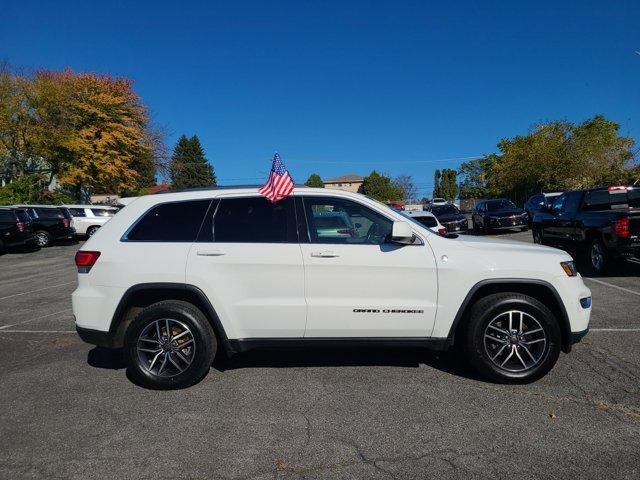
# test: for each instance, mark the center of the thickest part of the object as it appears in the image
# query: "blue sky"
(346, 86)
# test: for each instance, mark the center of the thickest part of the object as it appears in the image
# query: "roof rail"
(220, 187)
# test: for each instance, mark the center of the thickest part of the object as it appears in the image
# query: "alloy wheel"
(515, 341)
(166, 348)
(42, 239)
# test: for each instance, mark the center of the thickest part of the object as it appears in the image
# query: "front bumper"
(576, 337)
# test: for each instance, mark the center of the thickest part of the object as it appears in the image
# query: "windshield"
(503, 204)
(444, 209)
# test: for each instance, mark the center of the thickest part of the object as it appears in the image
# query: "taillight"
(66, 222)
(442, 231)
(85, 260)
(621, 227)
(20, 226)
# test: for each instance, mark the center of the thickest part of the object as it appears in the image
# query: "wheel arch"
(539, 289)
(142, 295)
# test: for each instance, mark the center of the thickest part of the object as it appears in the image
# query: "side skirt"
(245, 344)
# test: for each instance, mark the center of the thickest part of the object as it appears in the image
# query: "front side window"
(573, 202)
(170, 222)
(558, 203)
(253, 220)
(336, 220)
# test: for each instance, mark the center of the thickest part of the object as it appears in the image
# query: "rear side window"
(7, 216)
(428, 222)
(605, 200)
(170, 222)
(102, 212)
(49, 213)
(254, 220)
(77, 212)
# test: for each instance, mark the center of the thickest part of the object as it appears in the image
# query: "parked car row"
(42, 225)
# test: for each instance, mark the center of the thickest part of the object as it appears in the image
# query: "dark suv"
(15, 228)
(50, 223)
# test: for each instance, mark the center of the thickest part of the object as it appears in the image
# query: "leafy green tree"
(315, 181)
(189, 167)
(477, 177)
(380, 187)
(32, 188)
(449, 185)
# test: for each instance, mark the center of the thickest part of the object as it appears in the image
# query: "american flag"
(279, 185)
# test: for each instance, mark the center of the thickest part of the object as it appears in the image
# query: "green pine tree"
(189, 167)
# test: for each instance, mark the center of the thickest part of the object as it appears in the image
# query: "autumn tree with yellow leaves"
(91, 132)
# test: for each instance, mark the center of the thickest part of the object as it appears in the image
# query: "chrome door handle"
(209, 253)
(325, 254)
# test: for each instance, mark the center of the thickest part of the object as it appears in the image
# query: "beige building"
(352, 183)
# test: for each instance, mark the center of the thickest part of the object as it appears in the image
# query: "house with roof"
(350, 182)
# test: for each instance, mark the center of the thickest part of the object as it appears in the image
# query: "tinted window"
(254, 220)
(573, 202)
(170, 222)
(536, 201)
(7, 216)
(49, 212)
(444, 209)
(558, 203)
(102, 212)
(23, 216)
(425, 221)
(605, 200)
(501, 204)
(364, 226)
(77, 212)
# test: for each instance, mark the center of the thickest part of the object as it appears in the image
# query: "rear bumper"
(66, 234)
(96, 337)
(29, 239)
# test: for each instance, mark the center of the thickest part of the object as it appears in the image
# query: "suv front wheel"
(512, 338)
(169, 345)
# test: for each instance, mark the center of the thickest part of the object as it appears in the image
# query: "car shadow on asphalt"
(450, 362)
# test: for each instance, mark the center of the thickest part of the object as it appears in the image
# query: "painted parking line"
(610, 285)
(37, 290)
(614, 330)
(36, 331)
(37, 318)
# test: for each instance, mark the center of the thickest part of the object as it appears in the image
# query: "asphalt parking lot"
(68, 410)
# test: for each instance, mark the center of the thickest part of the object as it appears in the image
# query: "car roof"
(91, 206)
(38, 206)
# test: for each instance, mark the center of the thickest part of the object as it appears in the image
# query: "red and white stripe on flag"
(279, 184)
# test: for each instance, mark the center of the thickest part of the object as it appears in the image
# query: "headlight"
(569, 268)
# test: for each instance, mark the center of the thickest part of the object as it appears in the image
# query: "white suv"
(175, 278)
(87, 219)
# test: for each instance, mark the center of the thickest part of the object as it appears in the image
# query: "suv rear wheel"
(91, 230)
(43, 238)
(512, 338)
(169, 345)
(598, 258)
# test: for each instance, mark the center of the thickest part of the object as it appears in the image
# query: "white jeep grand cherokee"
(174, 278)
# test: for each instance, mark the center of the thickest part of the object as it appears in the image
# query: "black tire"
(91, 230)
(181, 314)
(543, 354)
(596, 249)
(43, 238)
(537, 235)
(474, 226)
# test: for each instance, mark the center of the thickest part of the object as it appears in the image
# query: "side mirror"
(401, 233)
